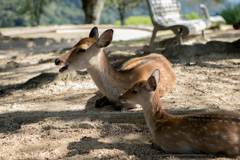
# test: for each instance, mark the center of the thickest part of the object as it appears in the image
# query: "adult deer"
(89, 54)
(206, 132)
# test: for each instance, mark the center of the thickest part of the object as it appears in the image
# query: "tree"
(123, 6)
(8, 14)
(34, 9)
(92, 10)
(36, 12)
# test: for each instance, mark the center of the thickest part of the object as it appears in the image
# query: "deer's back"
(142, 67)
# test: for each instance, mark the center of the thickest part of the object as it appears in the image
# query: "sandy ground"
(47, 115)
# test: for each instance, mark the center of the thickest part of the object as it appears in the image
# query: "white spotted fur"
(206, 132)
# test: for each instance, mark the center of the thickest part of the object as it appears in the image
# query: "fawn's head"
(142, 91)
(80, 55)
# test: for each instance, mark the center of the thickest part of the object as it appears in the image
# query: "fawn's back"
(213, 132)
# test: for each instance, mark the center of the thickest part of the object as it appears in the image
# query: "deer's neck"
(154, 113)
(109, 81)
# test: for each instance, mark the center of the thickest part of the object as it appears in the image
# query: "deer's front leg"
(102, 102)
(125, 106)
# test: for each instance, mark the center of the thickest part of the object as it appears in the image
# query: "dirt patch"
(47, 115)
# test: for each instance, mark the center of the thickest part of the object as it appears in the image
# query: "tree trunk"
(92, 10)
(38, 10)
(122, 16)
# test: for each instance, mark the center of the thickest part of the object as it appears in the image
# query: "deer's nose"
(57, 61)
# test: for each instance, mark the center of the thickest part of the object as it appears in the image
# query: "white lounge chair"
(167, 14)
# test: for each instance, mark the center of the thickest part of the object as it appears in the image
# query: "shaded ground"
(47, 115)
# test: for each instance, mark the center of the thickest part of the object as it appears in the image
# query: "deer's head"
(142, 91)
(83, 53)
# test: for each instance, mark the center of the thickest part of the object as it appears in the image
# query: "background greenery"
(231, 14)
(15, 12)
(135, 20)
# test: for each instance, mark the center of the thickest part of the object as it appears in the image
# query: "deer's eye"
(81, 50)
(134, 92)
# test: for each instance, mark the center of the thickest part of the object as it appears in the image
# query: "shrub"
(231, 14)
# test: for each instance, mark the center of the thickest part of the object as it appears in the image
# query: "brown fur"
(112, 82)
(84, 43)
(142, 67)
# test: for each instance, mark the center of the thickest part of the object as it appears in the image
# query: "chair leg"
(203, 34)
(153, 36)
(179, 38)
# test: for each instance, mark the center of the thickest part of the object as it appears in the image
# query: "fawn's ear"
(106, 38)
(94, 33)
(153, 80)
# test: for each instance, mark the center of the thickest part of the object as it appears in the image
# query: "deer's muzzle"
(122, 99)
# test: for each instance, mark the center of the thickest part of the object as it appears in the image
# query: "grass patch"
(136, 20)
(193, 15)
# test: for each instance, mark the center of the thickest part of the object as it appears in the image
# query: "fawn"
(89, 54)
(206, 132)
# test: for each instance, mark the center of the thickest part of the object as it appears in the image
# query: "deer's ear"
(94, 33)
(106, 38)
(153, 80)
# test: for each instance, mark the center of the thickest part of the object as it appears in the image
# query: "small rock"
(12, 64)
(85, 126)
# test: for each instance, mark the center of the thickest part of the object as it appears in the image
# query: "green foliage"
(33, 9)
(110, 14)
(135, 20)
(27, 12)
(9, 18)
(193, 15)
(120, 4)
(123, 7)
(106, 19)
(63, 12)
(231, 14)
